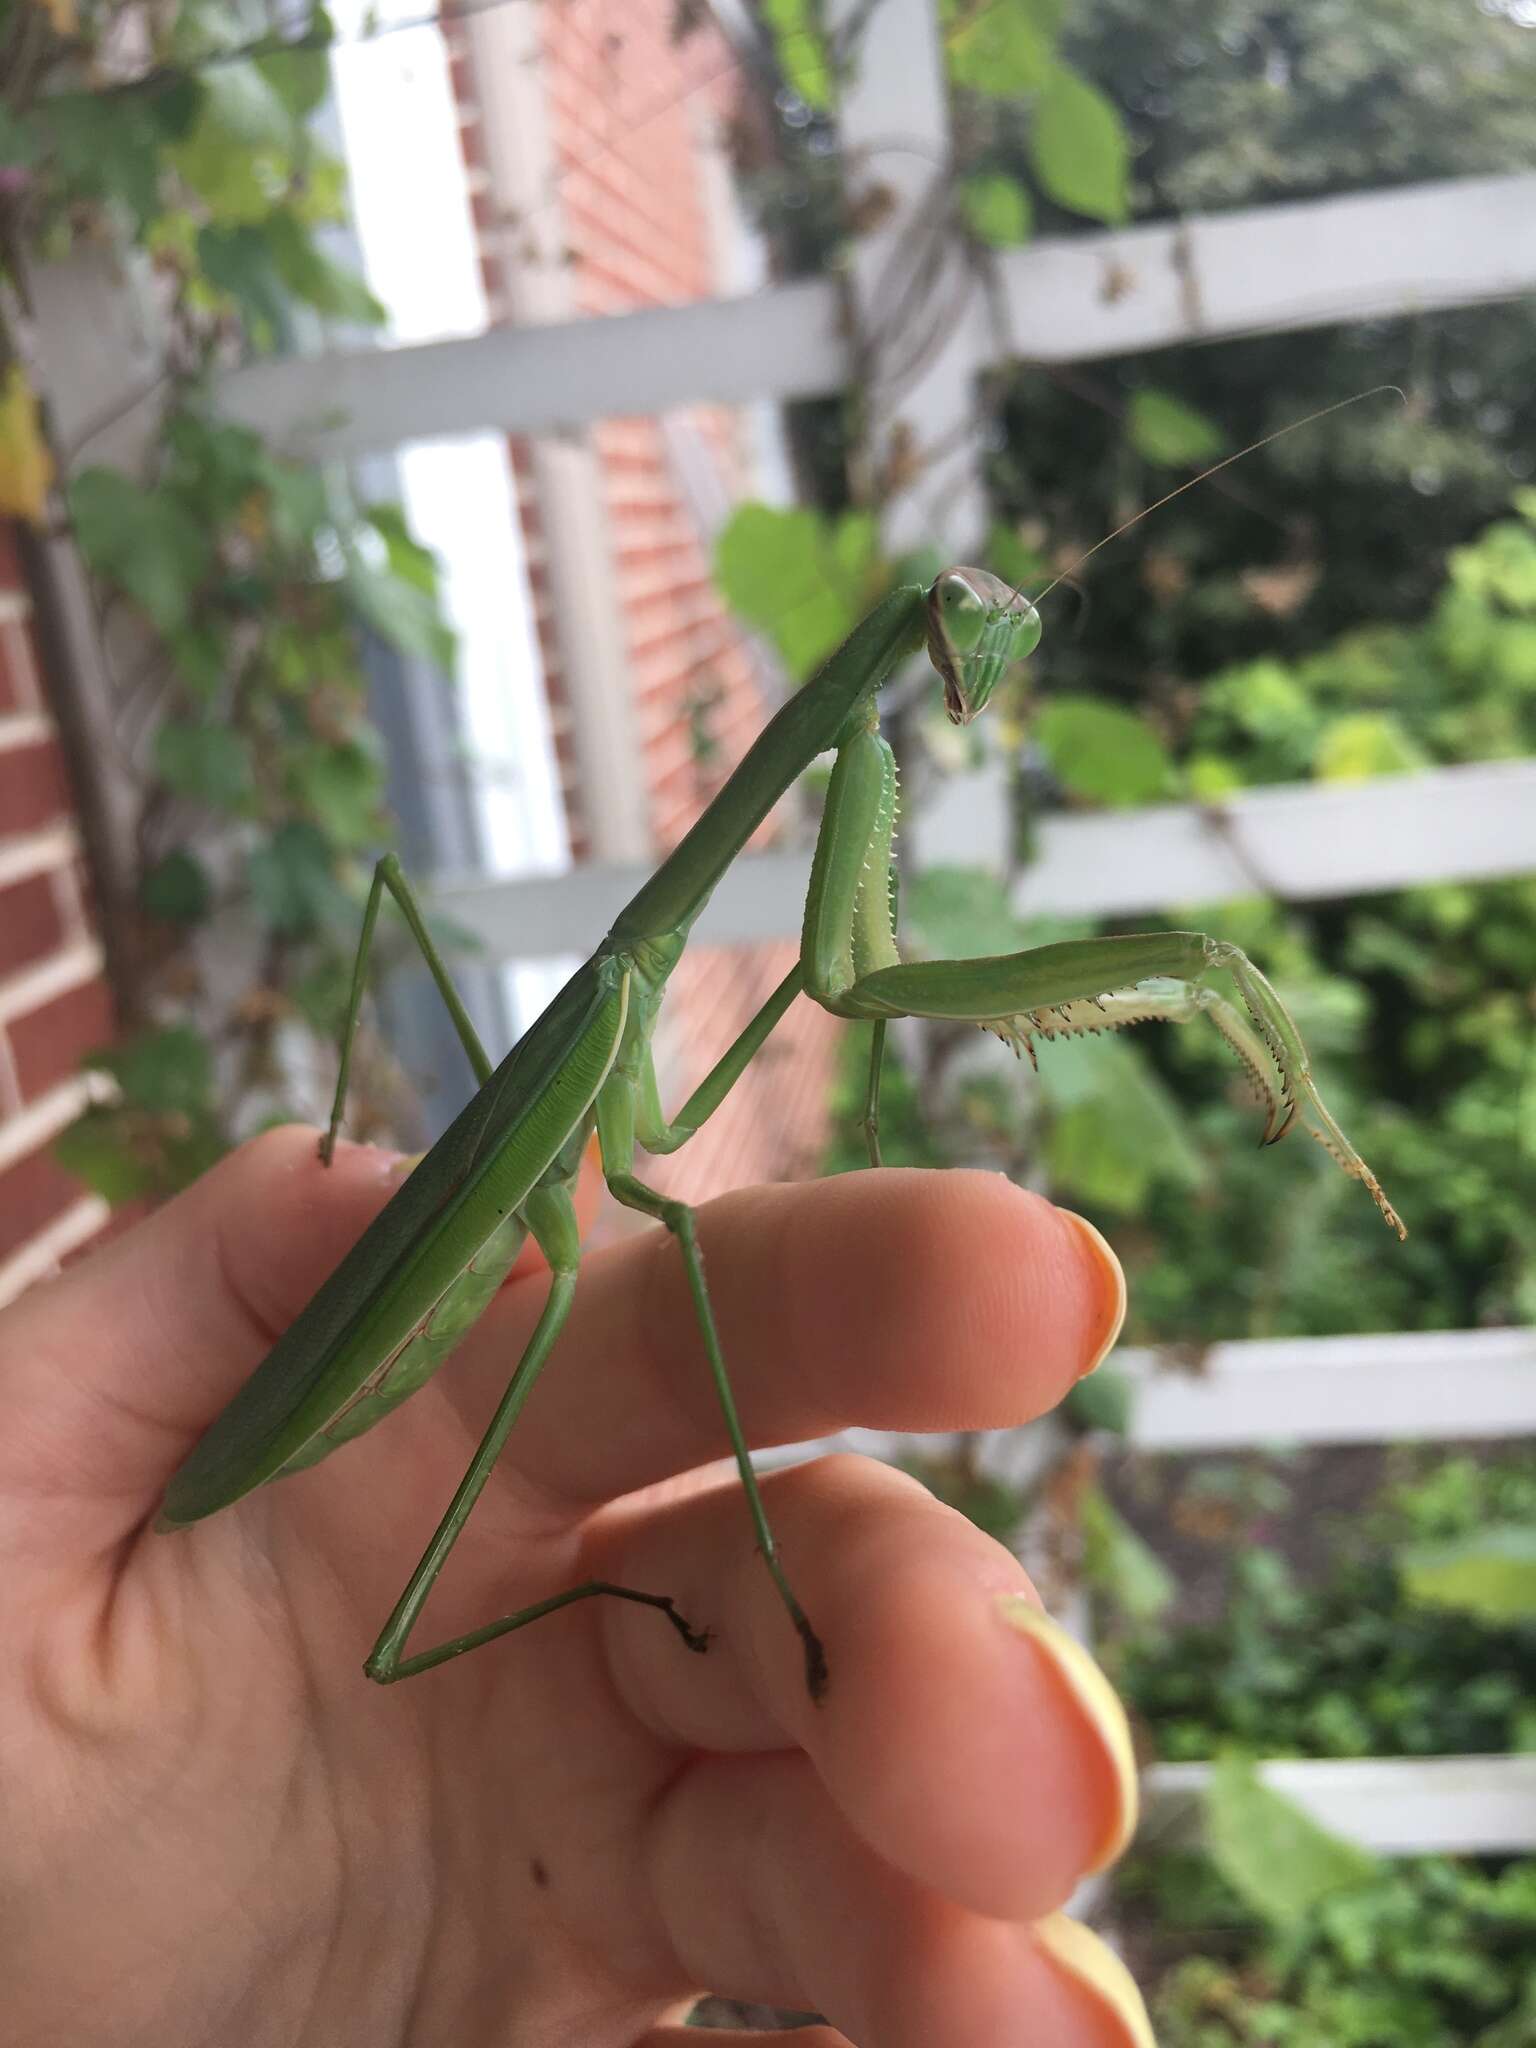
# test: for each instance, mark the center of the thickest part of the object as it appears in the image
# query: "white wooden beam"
(1429, 1387)
(783, 343)
(1307, 842)
(1395, 1806)
(1366, 256)
(1426, 1385)
(1360, 256)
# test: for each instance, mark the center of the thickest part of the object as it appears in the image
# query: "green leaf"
(1165, 430)
(1491, 1574)
(401, 612)
(239, 262)
(1012, 558)
(201, 655)
(165, 1072)
(958, 913)
(1118, 1564)
(176, 890)
(142, 541)
(1100, 753)
(1272, 1854)
(801, 50)
(408, 559)
(321, 995)
(173, 107)
(237, 154)
(1002, 49)
(1363, 745)
(1210, 777)
(215, 464)
(20, 142)
(997, 209)
(343, 786)
(312, 277)
(209, 762)
(98, 1149)
(1102, 1401)
(239, 100)
(989, 1503)
(106, 146)
(1264, 699)
(300, 78)
(291, 882)
(1078, 146)
(1115, 1131)
(299, 503)
(801, 581)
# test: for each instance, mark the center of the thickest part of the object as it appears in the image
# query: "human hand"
(218, 1832)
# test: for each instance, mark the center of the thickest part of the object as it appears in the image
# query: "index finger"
(898, 1299)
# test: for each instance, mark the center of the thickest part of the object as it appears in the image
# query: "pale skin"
(217, 1831)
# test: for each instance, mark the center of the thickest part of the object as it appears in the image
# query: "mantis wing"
(479, 1172)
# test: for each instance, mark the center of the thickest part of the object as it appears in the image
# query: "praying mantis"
(433, 1259)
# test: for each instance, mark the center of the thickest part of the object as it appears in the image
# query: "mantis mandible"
(433, 1259)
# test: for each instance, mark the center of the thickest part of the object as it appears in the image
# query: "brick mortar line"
(37, 853)
(36, 1260)
(24, 729)
(56, 976)
(44, 1119)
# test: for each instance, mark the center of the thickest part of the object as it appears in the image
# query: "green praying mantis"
(432, 1261)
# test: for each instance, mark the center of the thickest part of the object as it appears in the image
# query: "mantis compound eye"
(978, 627)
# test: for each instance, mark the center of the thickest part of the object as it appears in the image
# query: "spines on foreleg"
(1284, 1041)
(1270, 1050)
(1154, 1002)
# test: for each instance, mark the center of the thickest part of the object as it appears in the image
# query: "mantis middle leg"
(552, 1219)
(616, 1137)
(391, 876)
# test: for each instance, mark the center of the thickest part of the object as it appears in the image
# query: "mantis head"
(978, 627)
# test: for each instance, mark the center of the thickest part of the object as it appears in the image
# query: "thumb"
(110, 1373)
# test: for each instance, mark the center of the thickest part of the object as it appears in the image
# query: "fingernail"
(1082, 1955)
(1112, 1295)
(1096, 1697)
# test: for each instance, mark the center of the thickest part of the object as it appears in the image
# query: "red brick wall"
(628, 111)
(53, 1001)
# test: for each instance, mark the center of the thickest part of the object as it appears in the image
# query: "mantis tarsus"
(431, 1262)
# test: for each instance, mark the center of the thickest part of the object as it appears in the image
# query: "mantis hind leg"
(552, 1219)
(391, 876)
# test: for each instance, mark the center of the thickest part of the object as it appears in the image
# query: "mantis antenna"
(1225, 463)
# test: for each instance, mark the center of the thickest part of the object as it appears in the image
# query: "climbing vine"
(235, 586)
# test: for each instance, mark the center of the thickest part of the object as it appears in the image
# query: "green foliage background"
(1352, 1661)
(1423, 1951)
(246, 580)
(1355, 600)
